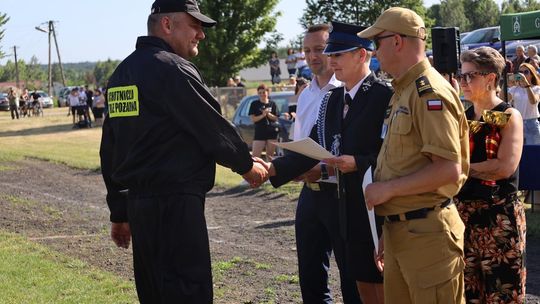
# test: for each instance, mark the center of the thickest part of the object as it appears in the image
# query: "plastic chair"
(529, 170)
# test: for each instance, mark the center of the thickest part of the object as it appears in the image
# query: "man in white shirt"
(315, 226)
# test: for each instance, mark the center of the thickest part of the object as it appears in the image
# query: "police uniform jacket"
(426, 117)
(164, 131)
(358, 134)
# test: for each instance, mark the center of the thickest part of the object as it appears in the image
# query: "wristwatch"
(324, 172)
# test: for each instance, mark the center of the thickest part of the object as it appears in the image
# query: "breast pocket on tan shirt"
(401, 134)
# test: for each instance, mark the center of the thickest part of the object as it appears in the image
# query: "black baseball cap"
(187, 6)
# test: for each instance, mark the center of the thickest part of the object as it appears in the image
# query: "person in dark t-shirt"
(263, 113)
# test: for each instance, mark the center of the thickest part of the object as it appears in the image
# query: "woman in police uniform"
(349, 126)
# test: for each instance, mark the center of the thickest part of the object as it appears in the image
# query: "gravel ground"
(251, 231)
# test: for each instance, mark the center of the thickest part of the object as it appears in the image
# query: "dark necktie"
(347, 101)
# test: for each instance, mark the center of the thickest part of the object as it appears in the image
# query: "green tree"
(453, 15)
(361, 12)
(519, 6)
(104, 70)
(434, 12)
(232, 44)
(486, 13)
(3, 20)
(34, 72)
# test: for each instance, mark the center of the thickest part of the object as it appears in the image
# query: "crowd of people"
(82, 102)
(450, 222)
(24, 104)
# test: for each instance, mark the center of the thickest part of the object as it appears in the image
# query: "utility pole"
(51, 31)
(58, 53)
(16, 66)
(49, 91)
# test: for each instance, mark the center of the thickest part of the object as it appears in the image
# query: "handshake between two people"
(262, 170)
(259, 173)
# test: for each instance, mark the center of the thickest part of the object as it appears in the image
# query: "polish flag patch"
(434, 105)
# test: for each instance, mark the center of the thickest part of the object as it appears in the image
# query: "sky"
(97, 30)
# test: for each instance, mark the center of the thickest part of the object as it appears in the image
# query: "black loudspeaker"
(446, 49)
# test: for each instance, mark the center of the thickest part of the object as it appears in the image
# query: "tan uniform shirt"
(426, 117)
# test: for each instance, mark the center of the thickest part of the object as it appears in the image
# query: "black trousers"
(171, 254)
(317, 235)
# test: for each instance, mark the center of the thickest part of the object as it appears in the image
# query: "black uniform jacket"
(164, 132)
(359, 135)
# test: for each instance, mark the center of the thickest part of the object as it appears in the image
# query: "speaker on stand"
(446, 49)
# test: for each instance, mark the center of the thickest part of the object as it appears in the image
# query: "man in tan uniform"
(423, 162)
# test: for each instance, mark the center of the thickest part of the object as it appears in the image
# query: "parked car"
(63, 95)
(244, 125)
(45, 99)
(4, 102)
(488, 36)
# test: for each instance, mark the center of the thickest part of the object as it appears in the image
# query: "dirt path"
(251, 232)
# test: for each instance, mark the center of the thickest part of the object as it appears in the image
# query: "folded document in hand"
(307, 147)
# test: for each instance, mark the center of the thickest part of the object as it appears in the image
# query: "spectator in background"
(524, 96)
(230, 82)
(89, 103)
(292, 80)
(263, 113)
(238, 81)
(291, 62)
(98, 105)
(73, 101)
(23, 102)
(488, 202)
(534, 59)
(13, 100)
(301, 63)
(520, 58)
(301, 84)
(275, 70)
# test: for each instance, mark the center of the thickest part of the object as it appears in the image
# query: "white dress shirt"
(307, 108)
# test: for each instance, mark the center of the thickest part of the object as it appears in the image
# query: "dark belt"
(416, 214)
(321, 186)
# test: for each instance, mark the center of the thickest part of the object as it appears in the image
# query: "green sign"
(520, 26)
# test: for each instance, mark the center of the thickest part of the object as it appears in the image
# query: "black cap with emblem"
(343, 38)
(187, 6)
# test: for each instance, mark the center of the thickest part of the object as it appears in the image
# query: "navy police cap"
(343, 38)
(187, 6)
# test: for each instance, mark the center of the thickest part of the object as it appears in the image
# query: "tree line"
(33, 73)
(244, 25)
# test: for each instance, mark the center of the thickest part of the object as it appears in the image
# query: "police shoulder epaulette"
(384, 83)
(423, 86)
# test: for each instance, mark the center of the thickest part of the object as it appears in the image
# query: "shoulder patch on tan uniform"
(434, 105)
(423, 86)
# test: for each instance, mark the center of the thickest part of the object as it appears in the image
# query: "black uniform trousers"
(317, 233)
(171, 254)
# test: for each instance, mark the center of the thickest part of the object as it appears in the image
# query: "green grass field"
(34, 274)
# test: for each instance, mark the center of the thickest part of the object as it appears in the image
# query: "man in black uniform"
(161, 140)
(349, 126)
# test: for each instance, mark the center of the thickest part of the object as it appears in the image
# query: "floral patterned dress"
(495, 223)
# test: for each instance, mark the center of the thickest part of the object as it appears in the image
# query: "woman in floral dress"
(488, 202)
